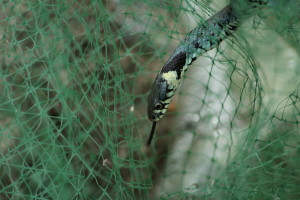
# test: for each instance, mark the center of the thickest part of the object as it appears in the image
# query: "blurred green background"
(74, 81)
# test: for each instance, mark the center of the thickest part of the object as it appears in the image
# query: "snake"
(201, 39)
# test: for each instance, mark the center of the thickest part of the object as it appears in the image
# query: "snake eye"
(158, 106)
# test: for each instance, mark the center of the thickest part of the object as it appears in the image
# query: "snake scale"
(200, 40)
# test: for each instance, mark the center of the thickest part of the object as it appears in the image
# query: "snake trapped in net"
(200, 40)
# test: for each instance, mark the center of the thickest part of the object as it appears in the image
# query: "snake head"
(159, 99)
(156, 98)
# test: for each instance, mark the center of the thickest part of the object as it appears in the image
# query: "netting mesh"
(75, 76)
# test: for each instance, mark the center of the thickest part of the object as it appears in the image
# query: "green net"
(74, 81)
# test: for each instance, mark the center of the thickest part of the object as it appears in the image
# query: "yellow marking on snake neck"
(168, 101)
(171, 78)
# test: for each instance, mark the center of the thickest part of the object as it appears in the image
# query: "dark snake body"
(200, 40)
